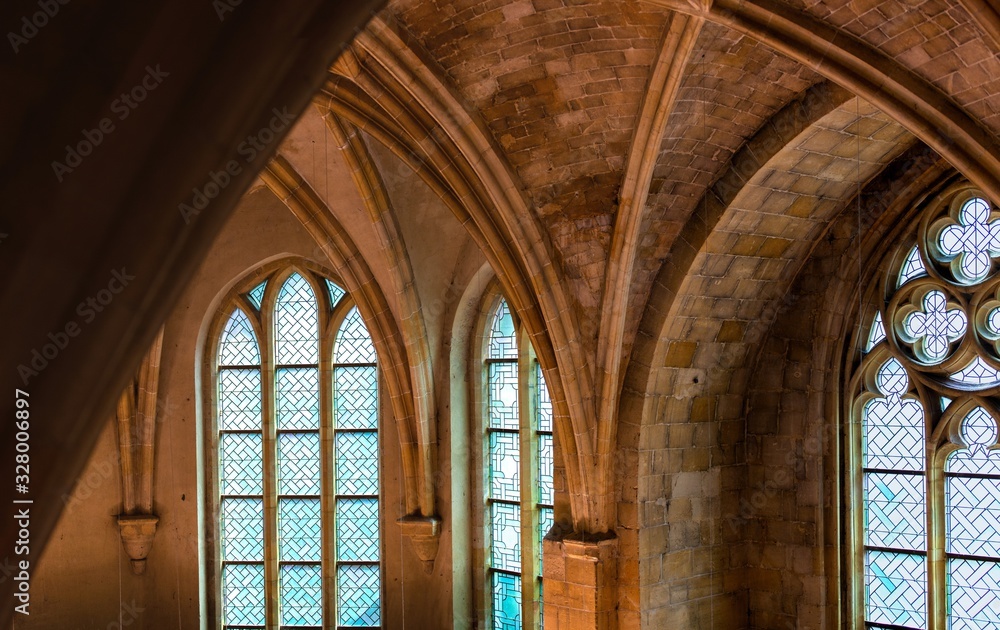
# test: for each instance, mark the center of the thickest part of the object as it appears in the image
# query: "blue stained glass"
(357, 530)
(301, 595)
(354, 344)
(357, 463)
(505, 523)
(877, 333)
(256, 295)
(973, 594)
(355, 398)
(297, 398)
(242, 526)
(506, 601)
(240, 463)
(243, 595)
(299, 530)
(238, 343)
(544, 402)
(912, 268)
(296, 319)
(505, 466)
(896, 585)
(502, 339)
(239, 400)
(895, 511)
(298, 463)
(358, 595)
(335, 292)
(546, 493)
(503, 407)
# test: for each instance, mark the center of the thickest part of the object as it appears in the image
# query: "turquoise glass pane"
(358, 595)
(301, 589)
(354, 344)
(296, 320)
(242, 528)
(505, 465)
(506, 601)
(239, 400)
(355, 398)
(243, 595)
(895, 585)
(505, 526)
(297, 399)
(357, 463)
(502, 383)
(238, 343)
(241, 467)
(299, 530)
(298, 463)
(502, 340)
(357, 530)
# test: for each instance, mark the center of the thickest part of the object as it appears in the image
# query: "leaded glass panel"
(936, 326)
(895, 513)
(242, 530)
(301, 595)
(502, 340)
(893, 426)
(506, 529)
(544, 411)
(239, 400)
(506, 601)
(296, 316)
(298, 464)
(896, 586)
(238, 344)
(243, 595)
(354, 344)
(357, 530)
(974, 239)
(505, 466)
(358, 595)
(241, 464)
(357, 463)
(974, 594)
(977, 373)
(973, 516)
(297, 398)
(503, 407)
(546, 494)
(256, 294)
(299, 530)
(877, 333)
(335, 292)
(355, 398)
(979, 431)
(912, 268)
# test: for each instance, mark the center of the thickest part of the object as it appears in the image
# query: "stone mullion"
(327, 480)
(526, 504)
(269, 430)
(937, 561)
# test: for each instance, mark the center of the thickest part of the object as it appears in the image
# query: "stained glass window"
(290, 495)
(931, 374)
(518, 477)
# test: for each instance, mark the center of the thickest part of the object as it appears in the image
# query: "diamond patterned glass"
(256, 294)
(354, 344)
(243, 595)
(355, 398)
(502, 340)
(357, 463)
(505, 466)
(335, 292)
(506, 529)
(974, 240)
(299, 530)
(546, 494)
(359, 595)
(296, 323)
(357, 530)
(301, 595)
(298, 464)
(503, 407)
(238, 343)
(895, 513)
(912, 268)
(895, 585)
(973, 594)
(241, 464)
(297, 398)
(506, 601)
(877, 333)
(936, 326)
(242, 530)
(239, 400)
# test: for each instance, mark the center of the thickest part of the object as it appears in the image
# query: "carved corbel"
(424, 533)
(136, 421)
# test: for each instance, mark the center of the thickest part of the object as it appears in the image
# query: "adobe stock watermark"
(31, 25)
(251, 146)
(121, 107)
(60, 339)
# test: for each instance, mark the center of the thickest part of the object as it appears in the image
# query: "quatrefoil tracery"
(967, 239)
